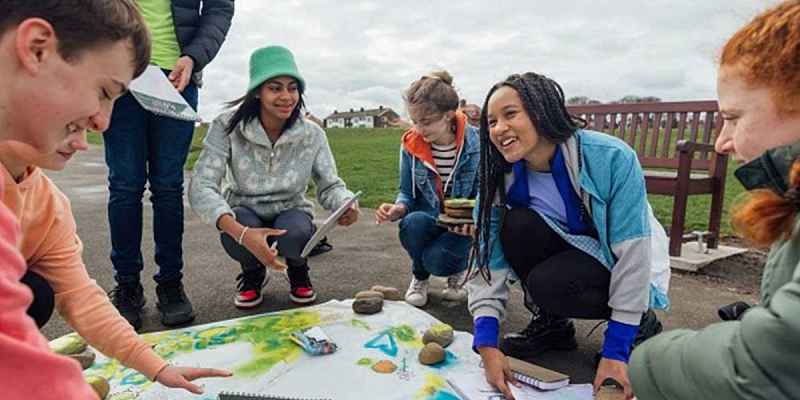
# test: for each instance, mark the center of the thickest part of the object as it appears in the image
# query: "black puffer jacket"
(201, 27)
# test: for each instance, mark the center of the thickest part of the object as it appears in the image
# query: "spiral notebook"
(536, 376)
(252, 396)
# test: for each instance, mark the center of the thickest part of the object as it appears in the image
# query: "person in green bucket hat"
(251, 178)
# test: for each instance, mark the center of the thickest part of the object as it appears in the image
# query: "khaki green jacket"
(757, 357)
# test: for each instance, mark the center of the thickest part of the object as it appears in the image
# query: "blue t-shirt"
(545, 197)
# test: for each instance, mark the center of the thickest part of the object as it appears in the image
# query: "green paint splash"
(359, 324)
(364, 362)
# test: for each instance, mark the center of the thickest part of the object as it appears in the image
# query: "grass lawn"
(368, 160)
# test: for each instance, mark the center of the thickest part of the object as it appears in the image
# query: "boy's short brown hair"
(84, 24)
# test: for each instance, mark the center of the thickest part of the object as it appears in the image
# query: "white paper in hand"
(329, 224)
(155, 93)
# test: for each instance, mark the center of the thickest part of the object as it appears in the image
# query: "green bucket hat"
(270, 62)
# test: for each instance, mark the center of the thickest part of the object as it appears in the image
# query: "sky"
(356, 54)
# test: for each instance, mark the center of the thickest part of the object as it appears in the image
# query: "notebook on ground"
(536, 376)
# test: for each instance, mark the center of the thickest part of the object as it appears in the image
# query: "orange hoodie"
(52, 249)
(414, 143)
(28, 369)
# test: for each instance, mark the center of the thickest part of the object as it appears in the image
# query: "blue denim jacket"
(420, 185)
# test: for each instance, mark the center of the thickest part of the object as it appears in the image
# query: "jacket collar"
(415, 144)
(255, 133)
(771, 170)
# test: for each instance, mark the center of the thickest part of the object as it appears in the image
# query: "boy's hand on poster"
(389, 212)
(350, 216)
(182, 73)
(181, 377)
(616, 370)
(255, 240)
(498, 372)
(463, 230)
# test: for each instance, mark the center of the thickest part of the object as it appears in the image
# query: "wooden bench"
(675, 145)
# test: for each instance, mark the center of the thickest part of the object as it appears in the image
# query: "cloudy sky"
(365, 53)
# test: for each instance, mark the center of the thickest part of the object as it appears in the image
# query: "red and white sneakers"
(302, 292)
(249, 285)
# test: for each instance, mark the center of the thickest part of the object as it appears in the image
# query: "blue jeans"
(145, 148)
(433, 249)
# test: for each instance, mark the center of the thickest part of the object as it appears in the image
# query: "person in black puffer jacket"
(143, 148)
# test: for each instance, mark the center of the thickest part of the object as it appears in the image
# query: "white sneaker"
(454, 291)
(417, 293)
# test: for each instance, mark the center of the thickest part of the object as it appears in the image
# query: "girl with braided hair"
(756, 356)
(562, 210)
(438, 160)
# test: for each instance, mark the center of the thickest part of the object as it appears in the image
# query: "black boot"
(175, 307)
(129, 300)
(544, 332)
(649, 326)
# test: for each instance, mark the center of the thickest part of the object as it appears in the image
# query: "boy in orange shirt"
(62, 65)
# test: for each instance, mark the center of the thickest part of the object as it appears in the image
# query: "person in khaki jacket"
(756, 356)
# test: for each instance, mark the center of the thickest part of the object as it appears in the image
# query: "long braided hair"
(543, 101)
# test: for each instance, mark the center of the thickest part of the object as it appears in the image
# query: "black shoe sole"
(175, 321)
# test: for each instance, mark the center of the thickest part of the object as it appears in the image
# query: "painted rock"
(439, 333)
(85, 358)
(610, 393)
(123, 396)
(369, 294)
(368, 305)
(389, 293)
(384, 367)
(100, 385)
(431, 354)
(68, 344)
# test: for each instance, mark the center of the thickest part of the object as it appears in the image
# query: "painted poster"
(265, 361)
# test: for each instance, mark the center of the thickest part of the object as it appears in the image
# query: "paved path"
(363, 255)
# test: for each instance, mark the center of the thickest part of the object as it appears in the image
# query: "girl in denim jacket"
(438, 160)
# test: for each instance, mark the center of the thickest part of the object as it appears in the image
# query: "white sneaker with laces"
(417, 293)
(454, 291)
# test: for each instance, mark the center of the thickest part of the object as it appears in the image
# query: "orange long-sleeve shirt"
(28, 369)
(51, 248)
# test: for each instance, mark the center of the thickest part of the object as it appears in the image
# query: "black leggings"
(558, 278)
(43, 298)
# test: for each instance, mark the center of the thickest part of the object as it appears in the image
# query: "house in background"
(374, 118)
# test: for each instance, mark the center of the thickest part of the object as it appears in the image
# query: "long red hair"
(767, 53)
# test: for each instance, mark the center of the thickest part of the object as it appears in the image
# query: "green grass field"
(368, 160)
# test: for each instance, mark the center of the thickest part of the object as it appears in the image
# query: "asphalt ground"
(363, 255)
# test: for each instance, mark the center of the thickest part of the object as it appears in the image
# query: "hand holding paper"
(181, 75)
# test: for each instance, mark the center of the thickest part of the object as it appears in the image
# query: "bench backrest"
(652, 129)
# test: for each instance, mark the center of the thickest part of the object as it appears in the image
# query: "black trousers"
(43, 298)
(557, 277)
(299, 229)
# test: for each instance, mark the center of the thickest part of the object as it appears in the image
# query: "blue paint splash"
(450, 359)
(384, 342)
(443, 395)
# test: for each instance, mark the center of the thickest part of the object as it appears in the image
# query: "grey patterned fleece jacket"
(244, 168)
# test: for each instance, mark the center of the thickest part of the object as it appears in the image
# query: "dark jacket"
(201, 27)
